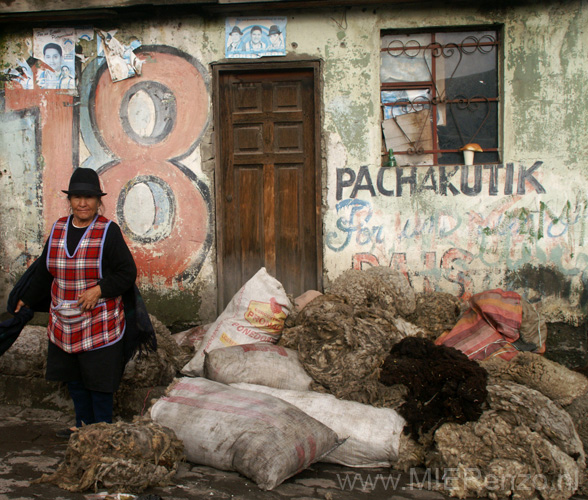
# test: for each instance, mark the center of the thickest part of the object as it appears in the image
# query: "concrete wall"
(451, 229)
(525, 231)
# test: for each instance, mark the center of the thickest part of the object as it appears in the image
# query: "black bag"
(11, 328)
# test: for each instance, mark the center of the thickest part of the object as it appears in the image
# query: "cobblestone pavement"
(29, 448)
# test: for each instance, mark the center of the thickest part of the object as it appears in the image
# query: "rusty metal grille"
(439, 91)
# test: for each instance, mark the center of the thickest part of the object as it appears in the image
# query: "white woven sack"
(256, 313)
(261, 363)
(262, 437)
(372, 435)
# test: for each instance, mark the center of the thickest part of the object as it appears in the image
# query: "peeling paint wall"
(465, 229)
(144, 138)
(520, 224)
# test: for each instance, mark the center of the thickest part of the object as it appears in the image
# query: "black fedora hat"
(274, 30)
(84, 182)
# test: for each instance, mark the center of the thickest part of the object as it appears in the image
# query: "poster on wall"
(55, 48)
(122, 61)
(252, 37)
(21, 76)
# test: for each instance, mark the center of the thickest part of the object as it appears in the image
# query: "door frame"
(220, 68)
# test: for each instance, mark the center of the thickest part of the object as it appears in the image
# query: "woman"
(88, 267)
(66, 81)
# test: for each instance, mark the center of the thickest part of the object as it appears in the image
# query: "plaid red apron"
(69, 328)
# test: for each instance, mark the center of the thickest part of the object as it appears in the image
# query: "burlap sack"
(261, 363)
(257, 435)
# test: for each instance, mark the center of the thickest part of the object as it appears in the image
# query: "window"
(439, 92)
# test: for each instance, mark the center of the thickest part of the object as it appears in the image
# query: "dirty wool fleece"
(443, 384)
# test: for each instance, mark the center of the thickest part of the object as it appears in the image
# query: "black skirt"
(99, 370)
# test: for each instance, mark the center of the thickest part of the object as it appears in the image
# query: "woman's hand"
(19, 304)
(88, 299)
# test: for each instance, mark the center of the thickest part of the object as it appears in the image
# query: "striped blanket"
(489, 327)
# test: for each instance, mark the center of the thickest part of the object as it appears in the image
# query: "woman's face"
(256, 36)
(53, 59)
(84, 208)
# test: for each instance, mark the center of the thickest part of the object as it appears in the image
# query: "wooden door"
(267, 182)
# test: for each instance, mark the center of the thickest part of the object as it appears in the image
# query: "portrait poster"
(252, 37)
(55, 50)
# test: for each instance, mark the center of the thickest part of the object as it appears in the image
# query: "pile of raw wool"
(148, 374)
(436, 312)
(578, 410)
(558, 383)
(156, 368)
(122, 456)
(381, 287)
(342, 347)
(524, 446)
(443, 385)
(521, 443)
(565, 387)
(377, 287)
(342, 338)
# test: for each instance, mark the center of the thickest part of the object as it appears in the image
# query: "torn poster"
(86, 34)
(122, 61)
(55, 50)
(21, 76)
(255, 37)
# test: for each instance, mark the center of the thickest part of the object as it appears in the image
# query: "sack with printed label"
(256, 313)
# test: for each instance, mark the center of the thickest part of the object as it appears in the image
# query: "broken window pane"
(452, 78)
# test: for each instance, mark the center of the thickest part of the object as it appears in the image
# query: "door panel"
(267, 181)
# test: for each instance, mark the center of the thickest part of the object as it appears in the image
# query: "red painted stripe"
(205, 404)
(301, 457)
(230, 394)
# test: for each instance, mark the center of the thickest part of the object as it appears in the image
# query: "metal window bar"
(412, 48)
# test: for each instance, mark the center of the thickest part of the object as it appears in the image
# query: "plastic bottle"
(391, 159)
